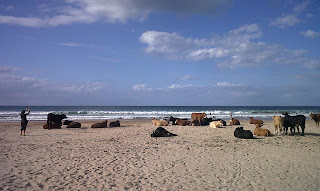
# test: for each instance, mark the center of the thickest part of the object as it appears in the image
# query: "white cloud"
(201, 54)
(285, 21)
(70, 44)
(227, 84)
(186, 77)
(139, 86)
(89, 11)
(238, 48)
(166, 44)
(252, 28)
(311, 34)
(178, 86)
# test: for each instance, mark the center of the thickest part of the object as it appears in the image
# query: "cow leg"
(302, 129)
(292, 130)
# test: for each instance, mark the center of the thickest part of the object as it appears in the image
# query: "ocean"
(39, 113)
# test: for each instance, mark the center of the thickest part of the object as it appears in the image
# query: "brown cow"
(316, 118)
(157, 122)
(103, 124)
(198, 116)
(234, 121)
(261, 131)
(182, 122)
(256, 121)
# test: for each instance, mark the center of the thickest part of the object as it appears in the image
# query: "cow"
(53, 126)
(195, 123)
(182, 122)
(174, 119)
(67, 122)
(294, 121)
(261, 131)
(206, 121)
(316, 118)
(239, 132)
(216, 124)
(162, 132)
(74, 124)
(156, 122)
(198, 116)
(103, 124)
(114, 124)
(55, 118)
(234, 121)
(223, 122)
(278, 123)
(256, 121)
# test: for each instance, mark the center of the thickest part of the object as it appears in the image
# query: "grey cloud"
(89, 11)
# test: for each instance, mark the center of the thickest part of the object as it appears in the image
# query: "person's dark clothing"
(24, 121)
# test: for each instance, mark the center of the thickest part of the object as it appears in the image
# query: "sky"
(160, 52)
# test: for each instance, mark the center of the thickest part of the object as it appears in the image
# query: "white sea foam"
(102, 113)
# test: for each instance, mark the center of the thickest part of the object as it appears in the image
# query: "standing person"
(24, 121)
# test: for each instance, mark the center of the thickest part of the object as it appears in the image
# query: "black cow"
(206, 121)
(114, 124)
(174, 119)
(67, 122)
(294, 121)
(74, 124)
(239, 132)
(55, 118)
(162, 132)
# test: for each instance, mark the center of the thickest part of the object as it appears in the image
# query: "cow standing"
(316, 118)
(294, 121)
(55, 119)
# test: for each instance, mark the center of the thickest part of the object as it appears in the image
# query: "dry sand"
(127, 158)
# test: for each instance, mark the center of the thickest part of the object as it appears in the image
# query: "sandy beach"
(127, 158)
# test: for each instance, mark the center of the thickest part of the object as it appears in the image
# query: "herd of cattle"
(281, 124)
(54, 122)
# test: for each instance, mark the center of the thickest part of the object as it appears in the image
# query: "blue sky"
(159, 52)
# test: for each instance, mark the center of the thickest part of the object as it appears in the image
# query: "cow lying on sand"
(103, 124)
(53, 126)
(256, 121)
(156, 122)
(162, 132)
(74, 124)
(234, 121)
(182, 122)
(216, 124)
(261, 131)
(239, 132)
(114, 124)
